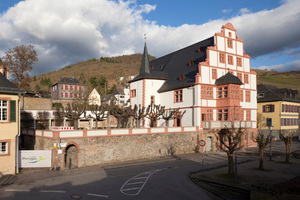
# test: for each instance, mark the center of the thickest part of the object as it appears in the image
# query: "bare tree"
(19, 61)
(154, 113)
(229, 139)
(43, 118)
(168, 115)
(100, 112)
(287, 138)
(121, 113)
(261, 140)
(73, 111)
(138, 114)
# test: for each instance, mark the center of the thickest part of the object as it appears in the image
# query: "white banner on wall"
(35, 158)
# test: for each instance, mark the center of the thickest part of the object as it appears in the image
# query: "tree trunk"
(230, 165)
(119, 122)
(75, 124)
(167, 123)
(261, 158)
(288, 152)
(96, 123)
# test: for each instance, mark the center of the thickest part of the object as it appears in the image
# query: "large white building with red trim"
(211, 80)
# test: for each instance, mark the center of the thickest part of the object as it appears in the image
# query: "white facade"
(94, 98)
(201, 101)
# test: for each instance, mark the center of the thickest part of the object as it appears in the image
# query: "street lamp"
(270, 128)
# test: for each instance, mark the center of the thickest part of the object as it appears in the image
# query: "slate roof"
(228, 79)
(119, 91)
(171, 66)
(271, 93)
(7, 87)
(68, 80)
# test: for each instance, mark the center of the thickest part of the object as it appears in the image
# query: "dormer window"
(151, 67)
(199, 49)
(190, 63)
(260, 95)
(181, 77)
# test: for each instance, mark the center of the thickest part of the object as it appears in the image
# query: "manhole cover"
(76, 196)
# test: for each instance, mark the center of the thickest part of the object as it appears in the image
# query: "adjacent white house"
(211, 80)
(94, 98)
(121, 95)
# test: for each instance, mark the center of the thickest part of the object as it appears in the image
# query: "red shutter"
(272, 108)
(264, 108)
(282, 107)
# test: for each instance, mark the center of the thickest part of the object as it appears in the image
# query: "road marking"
(141, 177)
(16, 190)
(97, 195)
(131, 189)
(53, 191)
(125, 189)
(135, 183)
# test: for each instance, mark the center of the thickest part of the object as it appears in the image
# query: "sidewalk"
(271, 183)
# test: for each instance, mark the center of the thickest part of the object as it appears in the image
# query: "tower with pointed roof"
(211, 81)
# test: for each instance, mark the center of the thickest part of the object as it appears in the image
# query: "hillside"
(111, 68)
(289, 80)
(122, 66)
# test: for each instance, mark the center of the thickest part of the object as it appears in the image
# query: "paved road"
(162, 180)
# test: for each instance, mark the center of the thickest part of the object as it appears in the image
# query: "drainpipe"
(17, 137)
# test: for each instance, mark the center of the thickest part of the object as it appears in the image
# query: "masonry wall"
(110, 149)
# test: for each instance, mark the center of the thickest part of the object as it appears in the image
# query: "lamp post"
(270, 128)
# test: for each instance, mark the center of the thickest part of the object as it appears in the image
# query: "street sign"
(62, 145)
(202, 143)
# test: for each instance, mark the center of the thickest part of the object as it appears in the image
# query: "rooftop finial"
(145, 37)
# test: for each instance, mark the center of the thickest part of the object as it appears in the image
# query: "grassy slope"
(130, 65)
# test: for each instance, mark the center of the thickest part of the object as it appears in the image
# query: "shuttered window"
(13, 111)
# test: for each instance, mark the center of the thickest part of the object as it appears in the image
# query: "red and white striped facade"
(209, 105)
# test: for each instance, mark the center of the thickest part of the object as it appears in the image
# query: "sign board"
(35, 158)
(202, 143)
(62, 145)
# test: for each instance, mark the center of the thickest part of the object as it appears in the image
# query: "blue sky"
(68, 31)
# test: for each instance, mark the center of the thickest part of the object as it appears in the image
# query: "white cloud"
(244, 11)
(225, 11)
(65, 32)
(291, 66)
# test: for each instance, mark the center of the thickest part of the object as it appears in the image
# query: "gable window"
(246, 78)
(248, 96)
(133, 93)
(178, 96)
(229, 43)
(214, 73)
(3, 110)
(222, 58)
(261, 95)
(229, 34)
(230, 60)
(239, 62)
(239, 75)
(4, 148)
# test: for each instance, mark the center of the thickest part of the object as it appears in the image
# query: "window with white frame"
(3, 110)
(3, 148)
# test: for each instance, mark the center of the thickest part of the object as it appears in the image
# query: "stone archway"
(71, 157)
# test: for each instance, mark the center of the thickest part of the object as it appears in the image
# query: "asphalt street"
(162, 180)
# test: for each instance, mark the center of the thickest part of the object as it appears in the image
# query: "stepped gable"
(228, 79)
